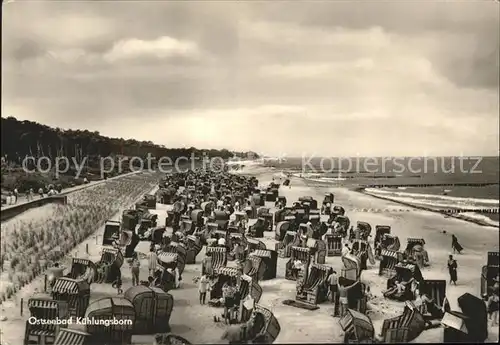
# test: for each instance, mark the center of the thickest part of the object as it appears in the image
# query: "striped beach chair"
(334, 244)
(254, 244)
(250, 286)
(109, 265)
(256, 268)
(315, 289)
(301, 254)
(83, 269)
(413, 320)
(169, 338)
(75, 292)
(412, 242)
(351, 268)
(405, 327)
(362, 247)
(167, 259)
(271, 327)
(187, 226)
(269, 262)
(283, 248)
(181, 251)
(319, 247)
(246, 283)
(390, 259)
(45, 309)
(391, 242)
(489, 274)
(406, 271)
(218, 256)
(281, 228)
(111, 308)
(435, 289)
(111, 255)
(68, 336)
(390, 331)
(194, 247)
(232, 238)
(357, 327)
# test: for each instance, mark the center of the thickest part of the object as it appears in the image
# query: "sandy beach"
(195, 322)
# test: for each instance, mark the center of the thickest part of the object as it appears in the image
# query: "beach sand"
(195, 322)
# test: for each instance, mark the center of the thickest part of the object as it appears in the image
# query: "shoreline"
(455, 214)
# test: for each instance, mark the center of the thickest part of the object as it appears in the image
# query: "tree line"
(21, 139)
(28, 138)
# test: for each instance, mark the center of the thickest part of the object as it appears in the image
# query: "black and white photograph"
(249, 172)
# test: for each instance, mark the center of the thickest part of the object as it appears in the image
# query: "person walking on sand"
(333, 281)
(203, 287)
(452, 269)
(135, 265)
(457, 248)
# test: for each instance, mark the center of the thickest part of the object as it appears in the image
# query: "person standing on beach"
(343, 290)
(153, 260)
(333, 281)
(452, 269)
(203, 287)
(135, 265)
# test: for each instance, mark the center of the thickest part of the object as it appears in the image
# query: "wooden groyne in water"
(455, 212)
(426, 185)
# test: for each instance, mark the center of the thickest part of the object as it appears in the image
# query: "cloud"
(297, 71)
(161, 48)
(381, 78)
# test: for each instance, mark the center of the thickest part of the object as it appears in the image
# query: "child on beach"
(135, 265)
(203, 287)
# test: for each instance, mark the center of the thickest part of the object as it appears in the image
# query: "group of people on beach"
(230, 299)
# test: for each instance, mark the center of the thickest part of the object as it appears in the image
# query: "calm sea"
(480, 173)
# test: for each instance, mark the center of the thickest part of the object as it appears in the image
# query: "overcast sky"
(325, 78)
